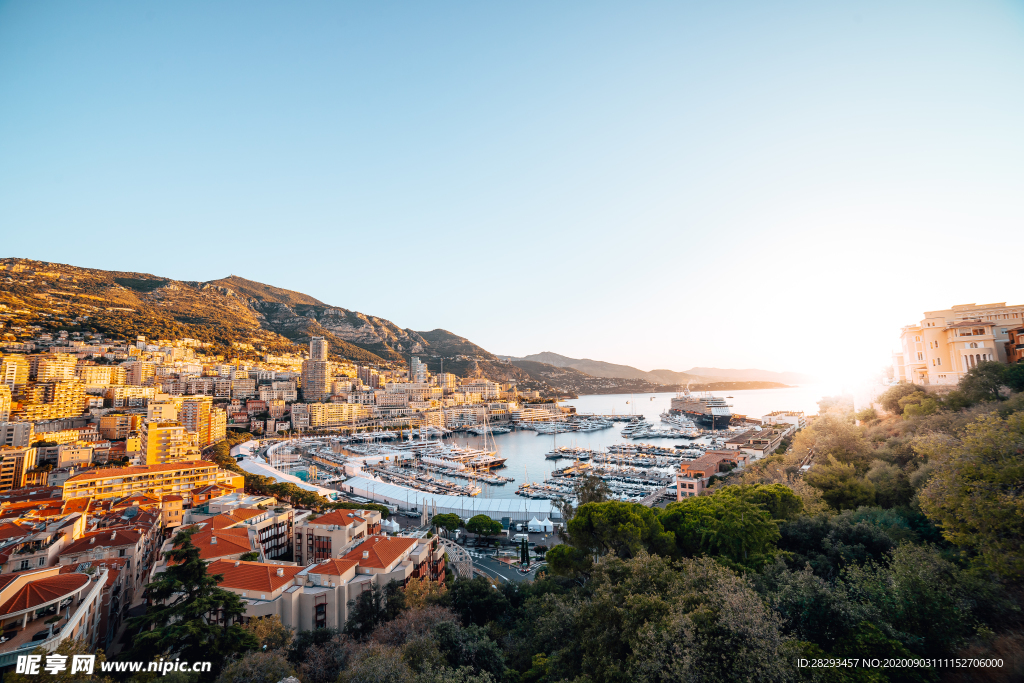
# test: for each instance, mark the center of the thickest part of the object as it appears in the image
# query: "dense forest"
(901, 543)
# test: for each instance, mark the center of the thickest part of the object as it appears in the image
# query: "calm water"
(525, 449)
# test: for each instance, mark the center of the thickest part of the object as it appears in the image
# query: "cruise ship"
(707, 410)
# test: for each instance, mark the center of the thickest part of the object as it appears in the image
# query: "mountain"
(752, 375)
(227, 312)
(597, 368)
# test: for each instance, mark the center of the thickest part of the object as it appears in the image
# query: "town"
(107, 451)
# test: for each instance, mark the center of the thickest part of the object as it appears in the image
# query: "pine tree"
(186, 621)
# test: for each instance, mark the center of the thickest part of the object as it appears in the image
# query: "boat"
(636, 426)
(707, 409)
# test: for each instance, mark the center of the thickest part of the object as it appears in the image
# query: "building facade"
(948, 343)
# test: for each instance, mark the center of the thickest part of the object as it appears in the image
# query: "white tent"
(546, 525)
(390, 526)
(535, 525)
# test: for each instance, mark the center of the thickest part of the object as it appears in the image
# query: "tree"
(778, 499)
(890, 399)
(305, 640)
(448, 522)
(483, 525)
(192, 617)
(892, 487)
(469, 646)
(585, 489)
(567, 560)
(373, 608)
(271, 632)
(975, 493)
(257, 667)
(476, 601)
(840, 486)
(420, 593)
(377, 664)
(324, 661)
(250, 557)
(651, 620)
(620, 528)
(984, 382)
(722, 526)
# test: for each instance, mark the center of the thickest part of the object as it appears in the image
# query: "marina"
(500, 462)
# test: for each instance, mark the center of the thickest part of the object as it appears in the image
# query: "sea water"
(525, 450)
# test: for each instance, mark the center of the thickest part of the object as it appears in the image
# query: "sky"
(734, 184)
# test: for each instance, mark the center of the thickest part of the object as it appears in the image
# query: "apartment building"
(333, 534)
(197, 415)
(1015, 345)
(791, 417)
(31, 598)
(947, 343)
(318, 595)
(72, 455)
(693, 475)
(5, 403)
(14, 370)
(41, 544)
(154, 480)
(15, 463)
(167, 442)
(129, 396)
(16, 434)
(273, 527)
(52, 400)
(119, 426)
(334, 414)
(101, 374)
(55, 366)
(317, 378)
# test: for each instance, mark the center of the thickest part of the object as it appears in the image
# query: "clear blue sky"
(776, 185)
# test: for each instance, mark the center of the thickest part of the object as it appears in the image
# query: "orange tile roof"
(171, 498)
(382, 551)
(109, 538)
(339, 517)
(114, 472)
(7, 578)
(12, 530)
(34, 493)
(244, 514)
(141, 499)
(251, 576)
(230, 519)
(42, 591)
(333, 567)
(229, 542)
(76, 505)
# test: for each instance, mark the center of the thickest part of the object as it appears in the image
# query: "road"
(500, 571)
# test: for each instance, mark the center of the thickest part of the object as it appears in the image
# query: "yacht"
(635, 426)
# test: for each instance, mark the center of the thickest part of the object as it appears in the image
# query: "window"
(940, 361)
(920, 355)
(917, 338)
(42, 561)
(120, 553)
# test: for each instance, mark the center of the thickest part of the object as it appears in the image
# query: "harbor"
(518, 462)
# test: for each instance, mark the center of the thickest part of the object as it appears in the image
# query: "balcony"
(25, 631)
